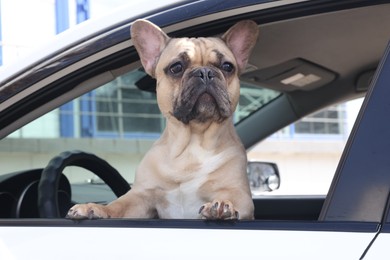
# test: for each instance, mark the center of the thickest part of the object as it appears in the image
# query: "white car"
(85, 96)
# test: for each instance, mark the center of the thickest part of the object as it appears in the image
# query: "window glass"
(307, 152)
(253, 98)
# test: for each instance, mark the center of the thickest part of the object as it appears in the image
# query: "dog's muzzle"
(203, 97)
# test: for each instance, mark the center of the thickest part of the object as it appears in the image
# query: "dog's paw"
(87, 211)
(218, 209)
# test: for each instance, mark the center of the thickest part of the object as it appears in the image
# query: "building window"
(329, 121)
(122, 110)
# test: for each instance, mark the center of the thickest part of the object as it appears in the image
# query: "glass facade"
(120, 109)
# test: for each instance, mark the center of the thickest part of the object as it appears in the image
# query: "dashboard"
(19, 194)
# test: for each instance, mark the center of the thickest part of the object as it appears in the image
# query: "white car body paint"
(58, 243)
(379, 248)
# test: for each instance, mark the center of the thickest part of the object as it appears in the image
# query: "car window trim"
(362, 227)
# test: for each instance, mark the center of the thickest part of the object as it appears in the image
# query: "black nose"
(205, 74)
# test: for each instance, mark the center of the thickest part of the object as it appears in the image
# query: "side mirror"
(263, 176)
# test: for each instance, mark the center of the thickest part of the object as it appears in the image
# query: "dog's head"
(197, 78)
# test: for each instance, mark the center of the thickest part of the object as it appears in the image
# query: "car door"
(349, 222)
(123, 239)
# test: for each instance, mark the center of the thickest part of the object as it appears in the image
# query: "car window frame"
(363, 164)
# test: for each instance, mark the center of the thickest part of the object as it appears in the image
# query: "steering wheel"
(48, 184)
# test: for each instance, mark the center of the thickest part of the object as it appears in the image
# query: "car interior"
(312, 62)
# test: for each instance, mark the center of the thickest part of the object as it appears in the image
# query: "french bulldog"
(197, 168)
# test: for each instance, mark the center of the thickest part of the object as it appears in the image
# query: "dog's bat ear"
(241, 38)
(149, 40)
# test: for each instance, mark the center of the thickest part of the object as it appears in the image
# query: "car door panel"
(312, 242)
(193, 244)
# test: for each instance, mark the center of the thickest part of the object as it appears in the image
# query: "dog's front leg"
(131, 205)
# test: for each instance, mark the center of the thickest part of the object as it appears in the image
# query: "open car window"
(119, 122)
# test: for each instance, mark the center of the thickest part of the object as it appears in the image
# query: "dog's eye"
(176, 68)
(227, 66)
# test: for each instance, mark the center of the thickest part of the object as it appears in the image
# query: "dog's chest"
(182, 202)
(190, 172)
